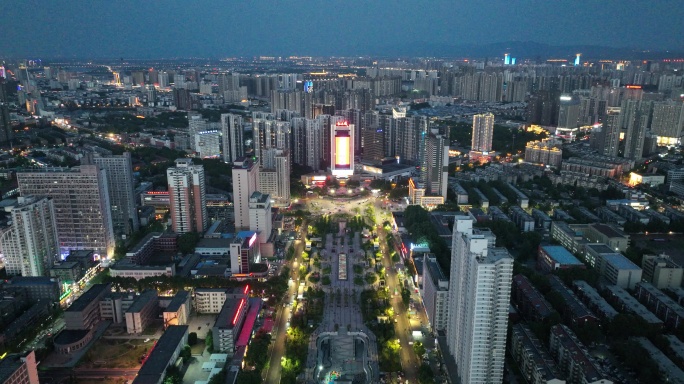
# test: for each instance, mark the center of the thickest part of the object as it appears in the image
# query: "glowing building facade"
(342, 149)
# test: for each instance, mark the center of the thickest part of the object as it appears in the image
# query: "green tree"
(187, 242)
(209, 342)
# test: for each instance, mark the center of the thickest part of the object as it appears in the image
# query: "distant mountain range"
(523, 50)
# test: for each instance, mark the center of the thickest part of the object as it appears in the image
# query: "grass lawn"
(116, 353)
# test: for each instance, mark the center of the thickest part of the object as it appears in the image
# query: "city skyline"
(214, 30)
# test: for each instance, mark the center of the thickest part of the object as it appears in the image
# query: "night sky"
(185, 28)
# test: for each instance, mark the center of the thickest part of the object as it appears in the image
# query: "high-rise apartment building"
(606, 137)
(233, 142)
(6, 132)
(634, 119)
(245, 182)
(568, 112)
(483, 132)
(82, 206)
(436, 165)
(187, 197)
(479, 297)
(274, 176)
(260, 220)
(373, 144)
(668, 121)
(30, 246)
(119, 170)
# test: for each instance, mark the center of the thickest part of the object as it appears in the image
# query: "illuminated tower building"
(507, 59)
(483, 132)
(233, 143)
(187, 197)
(577, 59)
(260, 220)
(245, 182)
(30, 246)
(342, 149)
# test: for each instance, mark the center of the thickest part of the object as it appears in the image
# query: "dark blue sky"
(184, 28)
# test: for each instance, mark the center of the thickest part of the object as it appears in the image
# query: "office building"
(479, 298)
(187, 197)
(260, 220)
(435, 294)
(164, 354)
(19, 368)
(618, 270)
(568, 112)
(84, 312)
(81, 202)
(608, 234)
(142, 311)
(38, 287)
(232, 135)
(30, 245)
(483, 132)
(553, 257)
(244, 250)
(573, 358)
(120, 183)
(245, 183)
(342, 149)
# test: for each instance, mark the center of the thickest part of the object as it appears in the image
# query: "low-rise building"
(661, 271)
(553, 257)
(623, 301)
(633, 215)
(228, 324)
(609, 216)
(522, 219)
(570, 236)
(593, 299)
(574, 310)
(574, 359)
(607, 234)
(141, 253)
(650, 179)
(534, 361)
(662, 305)
(124, 268)
(165, 353)
(19, 368)
(529, 301)
(211, 300)
(84, 312)
(618, 270)
(670, 371)
(541, 219)
(178, 310)
(141, 313)
(435, 294)
(38, 287)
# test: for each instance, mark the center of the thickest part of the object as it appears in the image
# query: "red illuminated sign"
(342, 124)
(237, 314)
(246, 289)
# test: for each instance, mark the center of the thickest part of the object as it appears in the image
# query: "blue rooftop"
(561, 255)
(619, 261)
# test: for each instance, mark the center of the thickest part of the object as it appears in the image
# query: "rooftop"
(589, 293)
(88, 296)
(154, 367)
(142, 300)
(33, 280)
(561, 255)
(633, 305)
(436, 272)
(231, 307)
(9, 365)
(214, 243)
(608, 230)
(178, 299)
(578, 309)
(578, 352)
(619, 261)
(531, 293)
(600, 248)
